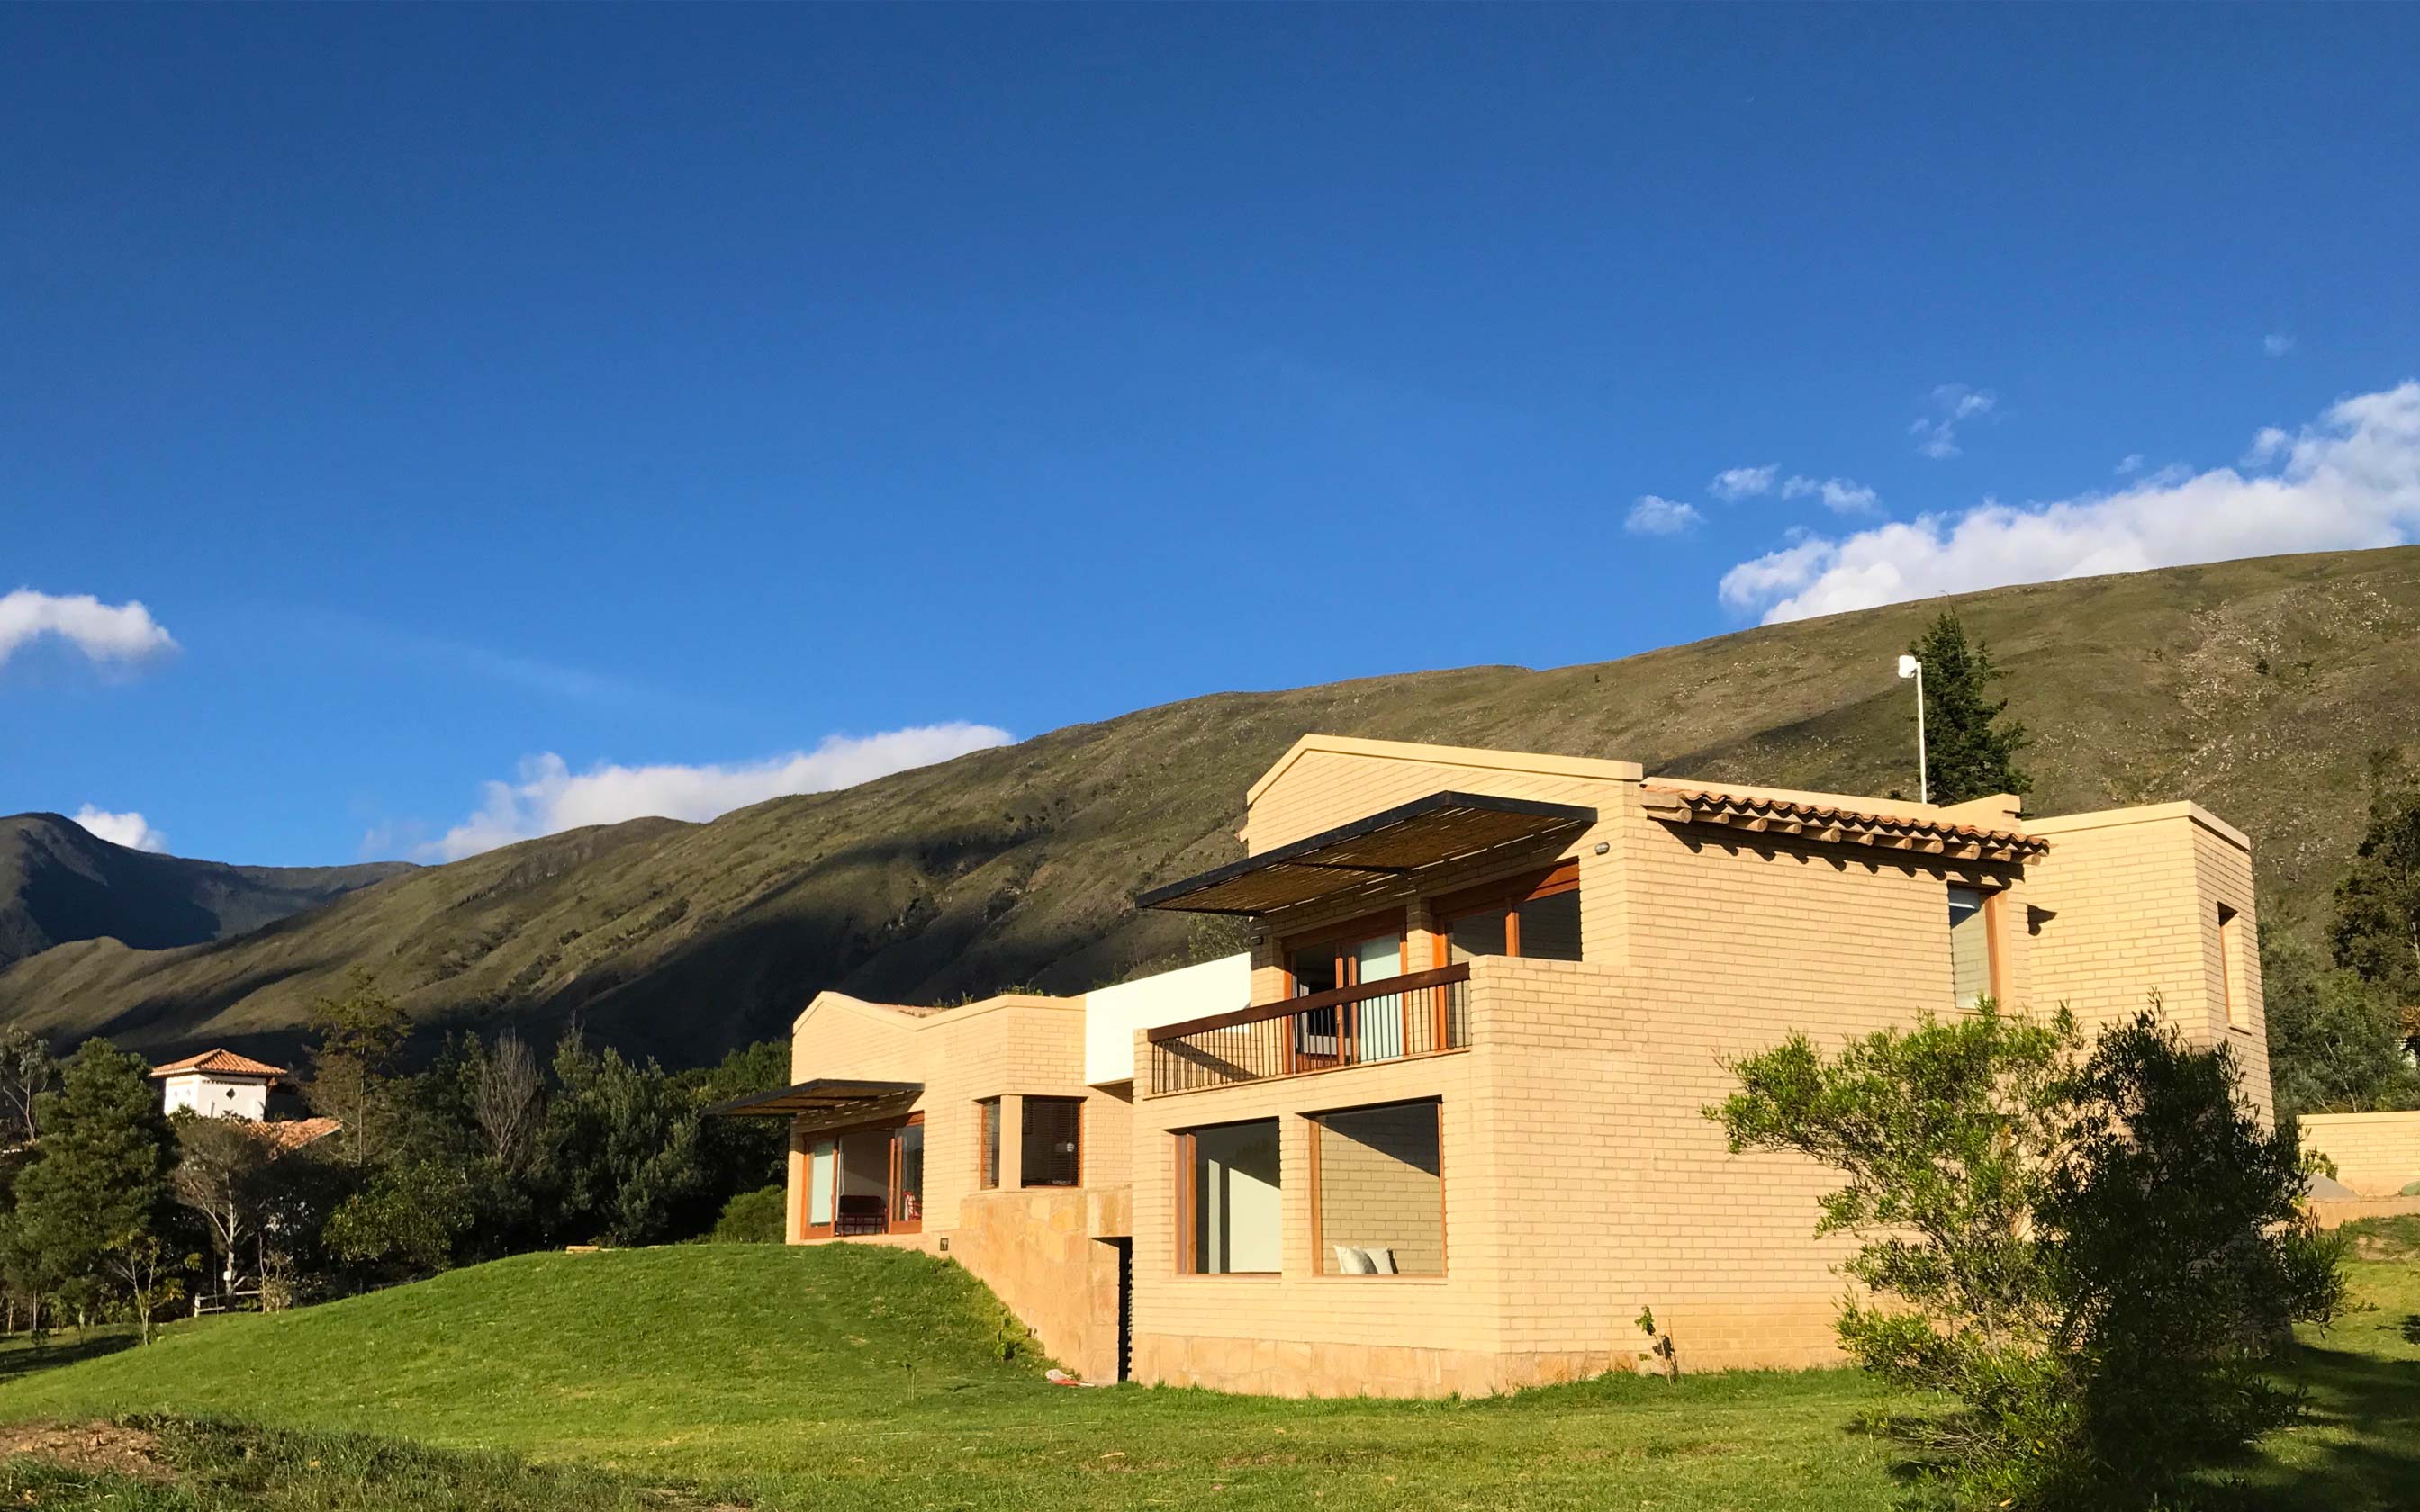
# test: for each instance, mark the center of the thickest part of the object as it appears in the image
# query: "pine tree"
(1970, 747)
(98, 1189)
(2377, 928)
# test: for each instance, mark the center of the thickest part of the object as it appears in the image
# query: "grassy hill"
(867, 1377)
(2259, 687)
(59, 882)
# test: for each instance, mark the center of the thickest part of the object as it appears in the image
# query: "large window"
(907, 1177)
(1536, 916)
(1378, 1191)
(987, 1172)
(1369, 1028)
(1971, 965)
(1050, 1145)
(1229, 1199)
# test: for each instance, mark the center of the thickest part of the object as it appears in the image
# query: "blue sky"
(508, 418)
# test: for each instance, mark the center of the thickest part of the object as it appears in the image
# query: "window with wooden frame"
(1363, 951)
(1230, 1200)
(1050, 1143)
(1976, 968)
(1377, 1190)
(868, 1179)
(987, 1158)
(1535, 915)
(2230, 969)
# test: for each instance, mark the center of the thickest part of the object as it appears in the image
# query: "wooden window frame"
(1505, 895)
(892, 1222)
(2230, 969)
(1024, 1115)
(1189, 1197)
(1319, 1253)
(987, 1141)
(1365, 927)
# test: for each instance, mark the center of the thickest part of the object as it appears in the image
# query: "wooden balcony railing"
(1418, 1014)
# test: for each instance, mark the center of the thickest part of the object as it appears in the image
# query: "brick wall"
(2377, 1154)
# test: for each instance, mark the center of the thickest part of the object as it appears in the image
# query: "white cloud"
(2277, 343)
(1734, 483)
(1952, 404)
(104, 632)
(1652, 515)
(128, 829)
(1846, 495)
(2130, 462)
(549, 797)
(2350, 481)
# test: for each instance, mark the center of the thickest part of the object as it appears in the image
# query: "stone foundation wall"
(1294, 1368)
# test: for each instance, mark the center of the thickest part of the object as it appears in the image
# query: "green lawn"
(855, 1377)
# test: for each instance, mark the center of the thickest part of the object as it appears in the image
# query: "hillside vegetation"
(863, 1377)
(2258, 687)
(59, 882)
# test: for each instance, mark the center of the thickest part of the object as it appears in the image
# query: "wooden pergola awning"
(825, 1094)
(1443, 826)
(1817, 822)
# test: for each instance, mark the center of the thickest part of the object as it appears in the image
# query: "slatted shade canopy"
(825, 1094)
(1443, 826)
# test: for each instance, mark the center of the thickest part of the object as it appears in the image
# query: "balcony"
(1420, 1014)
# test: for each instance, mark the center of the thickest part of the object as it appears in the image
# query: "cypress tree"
(1970, 745)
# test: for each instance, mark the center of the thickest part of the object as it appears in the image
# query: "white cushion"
(1352, 1261)
(1382, 1260)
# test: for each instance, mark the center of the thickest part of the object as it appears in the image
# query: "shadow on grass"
(20, 1358)
(2358, 1449)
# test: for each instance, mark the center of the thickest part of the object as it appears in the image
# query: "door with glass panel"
(1344, 1034)
(823, 1187)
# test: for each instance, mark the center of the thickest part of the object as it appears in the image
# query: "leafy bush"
(2091, 1253)
(752, 1218)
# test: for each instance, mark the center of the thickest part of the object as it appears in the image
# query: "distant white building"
(217, 1084)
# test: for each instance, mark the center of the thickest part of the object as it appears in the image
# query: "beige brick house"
(1440, 1131)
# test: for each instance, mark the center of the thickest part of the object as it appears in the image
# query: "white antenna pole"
(1923, 763)
(1910, 667)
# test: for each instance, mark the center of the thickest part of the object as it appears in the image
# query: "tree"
(508, 1100)
(223, 1173)
(1970, 747)
(150, 1273)
(406, 1222)
(2180, 1255)
(2087, 1253)
(358, 1036)
(623, 1149)
(2377, 928)
(98, 1184)
(28, 1069)
(2336, 1042)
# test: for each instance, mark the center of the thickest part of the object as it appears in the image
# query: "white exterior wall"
(1112, 1014)
(226, 1097)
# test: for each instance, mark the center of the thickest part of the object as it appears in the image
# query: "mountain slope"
(60, 881)
(2258, 687)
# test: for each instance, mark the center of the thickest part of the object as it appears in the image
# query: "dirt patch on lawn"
(93, 1446)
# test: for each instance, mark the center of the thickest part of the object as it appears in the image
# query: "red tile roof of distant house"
(293, 1134)
(219, 1063)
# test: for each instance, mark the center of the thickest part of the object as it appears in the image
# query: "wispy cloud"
(2130, 462)
(1652, 516)
(1845, 496)
(2350, 480)
(1952, 404)
(128, 829)
(549, 796)
(2277, 343)
(1734, 483)
(104, 632)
